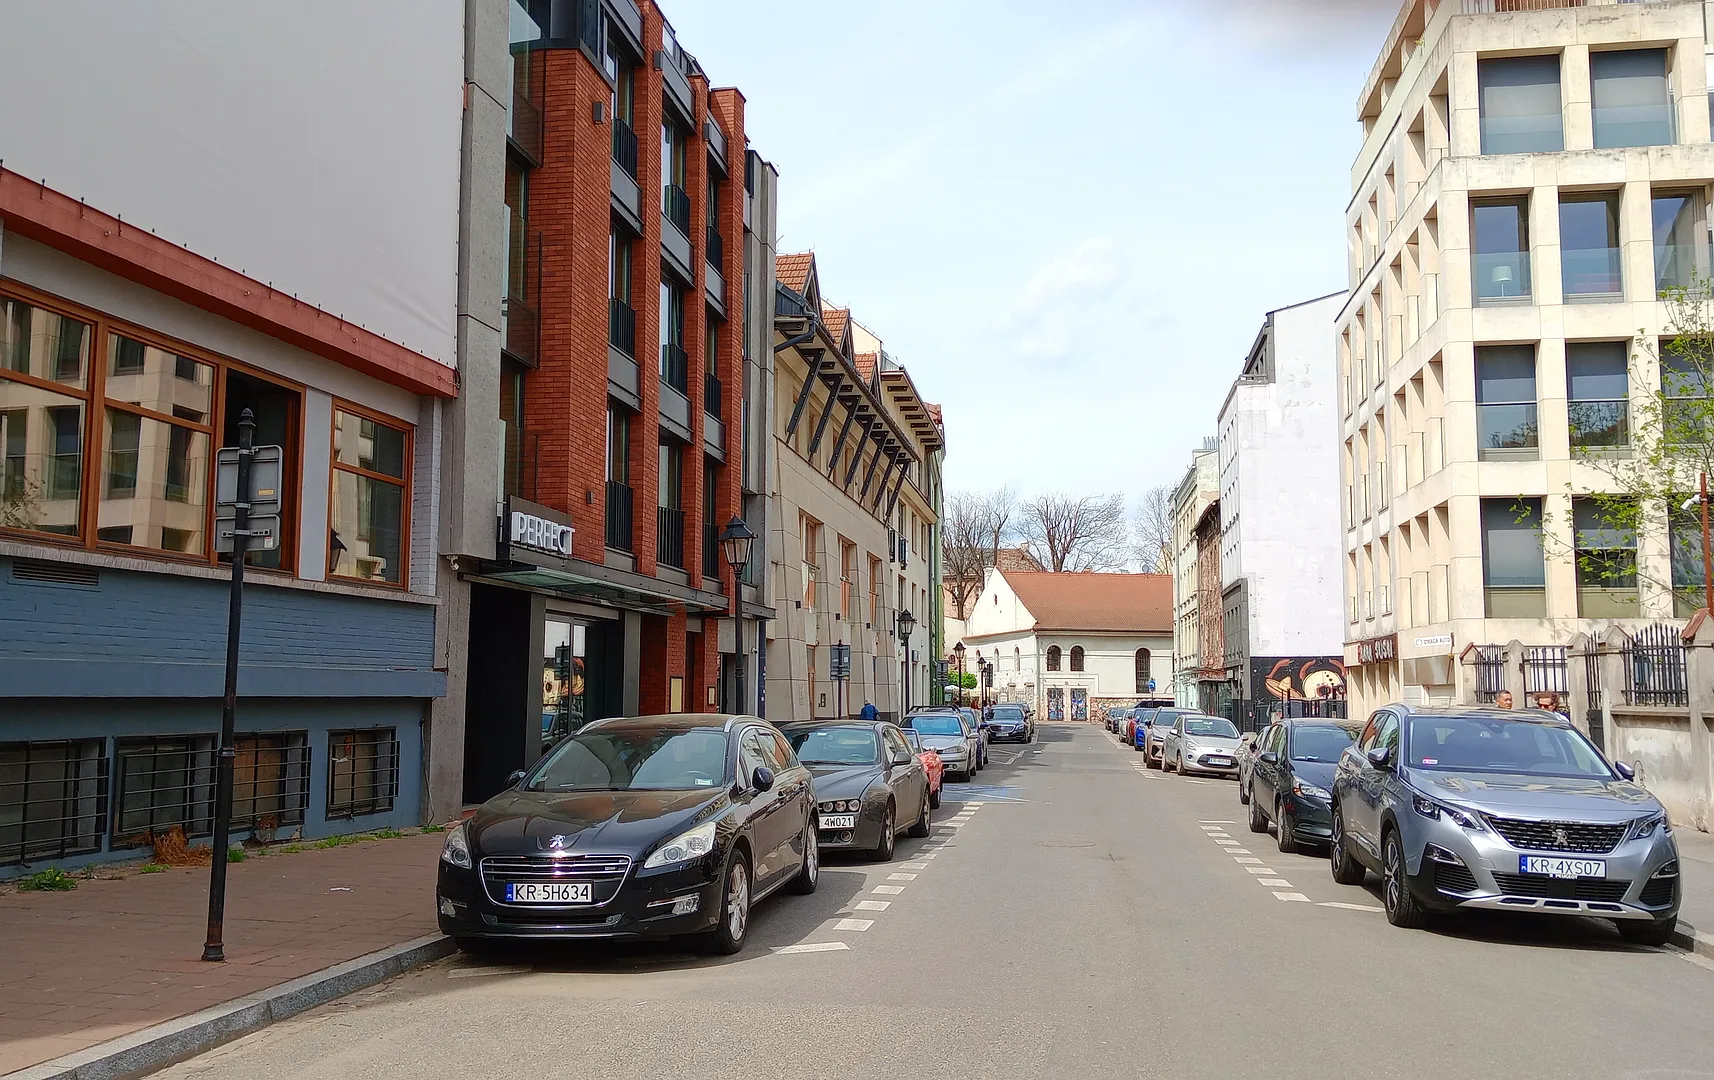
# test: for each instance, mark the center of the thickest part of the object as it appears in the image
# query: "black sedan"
(1291, 777)
(867, 781)
(1011, 723)
(647, 827)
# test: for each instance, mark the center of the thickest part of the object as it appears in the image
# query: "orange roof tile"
(934, 412)
(793, 270)
(835, 320)
(866, 363)
(1125, 603)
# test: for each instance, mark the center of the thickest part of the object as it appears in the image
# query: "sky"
(1067, 222)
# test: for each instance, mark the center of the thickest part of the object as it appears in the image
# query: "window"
(618, 265)
(1598, 386)
(1142, 671)
(1505, 401)
(712, 562)
(1684, 380)
(1500, 250)
(1631, 101)
(44, 367)
(811, 552)
(158, 443)
(1687, 567)
(1521, 112)
(1589, 245)
(675, 362)
(874, 590)
(1077, 658)
(1513, 572)
(370, 522)
(275, 409)
(1680, 251)
(1606, 556)
(847, 577)
(669, 506)
(517, 234)
(362, 772)
(53, 799)
(163, 782)
(1053, 657)
(675, 201)
(619, 495)
(270, 780)
(671, 487)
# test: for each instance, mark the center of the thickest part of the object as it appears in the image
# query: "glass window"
(163, 782)
(275, 410)
(1631, 101)
(1684, 378)
(1077, 658)
(675, 363)
(157, 443)
(1521, 112)
(1053, 657)
(618, 446)
(1598, 385)
(512, 426)
(1321, 742)
(1687, 568)
(1589, 245)
(1505, 399)
(362, 772)
(42, 421)
(53, 799)
(619, 265)
(1142, 671)
(43, 344)
(671, 485)
(1500, 249)
(1513, 572)
(517, 229)
(1680, 246)
(563, 648)
(1485, 744)
(1606, 550)
(369, 512)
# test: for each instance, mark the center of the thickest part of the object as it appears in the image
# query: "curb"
(155, 1047)
(1692, 940)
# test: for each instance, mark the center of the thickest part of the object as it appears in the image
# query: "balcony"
(621, 326)
(713, 394)
(715, 251)
(524, 125)
(619, 516)
(1680, 266)
(1501, 276)
(669, 537)
(1592, 272)
(675, 367)
(711, 553)
(625, 147)
(521, 327)
(675, 204)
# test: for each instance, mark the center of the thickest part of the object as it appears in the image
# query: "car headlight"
(1428, 808)
(1649, 826)
(687, 845)
(1309, 791)
(456, 850)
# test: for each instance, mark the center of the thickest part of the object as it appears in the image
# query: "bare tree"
(1067, 533)
(1151, 531)
(973, 528)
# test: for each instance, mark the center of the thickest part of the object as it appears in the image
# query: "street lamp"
(907, 623)
(958, 652)
(736, 543)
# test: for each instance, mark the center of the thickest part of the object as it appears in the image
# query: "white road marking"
(1190, 781)
(472, 973)
(1274, 883)
(816, 946)
(977, 803)
(888, 890)
(1237, 851)
(858, 925)
(1295, 896)
(1349, 907)
(927, 855)
(1227, 843)
(873, 905)
(901, 877)
(1252, 861)
(913, 866)
(1261, 870)
(1211, 822)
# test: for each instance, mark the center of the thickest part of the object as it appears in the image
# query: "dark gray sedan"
(868, 782)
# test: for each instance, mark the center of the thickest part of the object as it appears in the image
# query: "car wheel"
(924, 822)
(1659, 932)
(934, 799)
(1243, 794)
(1346, 869)
(728, 935)
(1258, 819)
(1152, 761)
(1402, 909)
(884, 853)
(1286, 828)
(810, 875)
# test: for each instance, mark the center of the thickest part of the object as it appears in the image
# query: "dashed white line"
(1252, 861)
(873, 905)
(1262, 870)
(888, 890)
(858, 925)
(913, 866)
(901, 877)
(1212, 822)
(1274, 883)
(812, 947)
(1237, 851)
(1293, 896)
(1349, 907)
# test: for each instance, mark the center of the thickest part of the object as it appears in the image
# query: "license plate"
(1219, 761)
(839, 821)
(1562, 868)
(549, 892)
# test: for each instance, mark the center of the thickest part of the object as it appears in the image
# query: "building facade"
(1199, 488)
(1529, 182)
(1280, 551)
(145, 312)
(855, 455)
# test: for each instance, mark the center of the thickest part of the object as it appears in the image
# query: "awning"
(609, 587)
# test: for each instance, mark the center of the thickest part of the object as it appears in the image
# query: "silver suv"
(1509, 810)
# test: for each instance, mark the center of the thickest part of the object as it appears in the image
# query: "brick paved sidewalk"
(78, 968)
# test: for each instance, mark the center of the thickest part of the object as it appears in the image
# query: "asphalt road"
(1077, 918)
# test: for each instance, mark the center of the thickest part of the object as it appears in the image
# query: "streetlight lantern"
(907, 623)
(736, 541)
(958, 652)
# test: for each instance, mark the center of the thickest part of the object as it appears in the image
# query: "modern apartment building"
(638, 300)
(853, 548)
(353, 311)
(1196, 492)
(1280, 550)
(1530, 180)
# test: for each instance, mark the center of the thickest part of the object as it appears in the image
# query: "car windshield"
(1008, 714)
(1210, 727)
(1320, 742)
(936, 724)
(1145, 715)
(1493, 744)
(633, 759)
(834, 745)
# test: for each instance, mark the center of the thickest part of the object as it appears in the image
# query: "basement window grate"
(42, 572)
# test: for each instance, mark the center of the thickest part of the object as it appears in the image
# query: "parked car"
(1511, 810)
(1245, 755)
(977, 724)
(1291, 778)
(1116, 718)
(931, 763)
(1150, 739)
(1204, 744)
(1010, 723)
(950, 736)
(644, 827)
(1138, 723)
(868, 783)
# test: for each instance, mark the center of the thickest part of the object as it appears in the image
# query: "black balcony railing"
(625, 147)
(713, 394)
(669, 536)
(675, 367)
(716, 247)
(618, 515)
(621, 327)
(711, 563)
(675, 203)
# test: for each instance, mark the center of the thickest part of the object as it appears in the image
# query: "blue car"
(1140, 734)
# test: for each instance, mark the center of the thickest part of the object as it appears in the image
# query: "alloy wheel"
(811, 860)
(1393, 878)
(738, 901)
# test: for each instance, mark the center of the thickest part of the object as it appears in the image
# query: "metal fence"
(362, 772)
(1655, 669)
(1490, 672)
(1544, 670)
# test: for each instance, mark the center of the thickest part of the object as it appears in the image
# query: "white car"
(1202, 744)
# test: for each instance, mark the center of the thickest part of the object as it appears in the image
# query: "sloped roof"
(1121, 603)
(934, 412)
(835, 320)
(793, 270)
(866, 363)
(1009, 560)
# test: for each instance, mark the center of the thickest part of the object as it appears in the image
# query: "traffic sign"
(841, 662)
(265, 473)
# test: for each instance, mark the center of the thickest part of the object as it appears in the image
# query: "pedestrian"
(1503, 700)
(869, 712)
(1550, 702)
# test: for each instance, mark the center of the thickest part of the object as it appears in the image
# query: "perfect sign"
(533, 532)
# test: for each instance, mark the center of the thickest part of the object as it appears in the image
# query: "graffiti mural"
(1056, 703)
(1299, 685)
(1080, 704)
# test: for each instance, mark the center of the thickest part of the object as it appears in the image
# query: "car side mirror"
(1625, 771)
(1381, 757)
(901, 757)
(1270, 758)
(516, 778)
(762, 779)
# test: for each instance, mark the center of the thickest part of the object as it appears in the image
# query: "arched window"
(1077, 658)
(1017, 659)
(1142, 671)
(1053, 657)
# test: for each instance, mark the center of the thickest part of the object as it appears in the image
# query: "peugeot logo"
(1560, 836)
(559, 843)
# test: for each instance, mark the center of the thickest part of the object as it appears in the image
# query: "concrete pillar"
(443, 742)
(1514, 671)
(1612, 667)
(1700, 677)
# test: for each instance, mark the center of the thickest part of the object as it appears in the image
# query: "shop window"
(563, 697)
(370, 513)
(161, 783)
(44, 383)
(275, 409)
(362, 772)
(53, 799)
(158, 445)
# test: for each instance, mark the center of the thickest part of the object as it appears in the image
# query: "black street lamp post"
(907, 623)
(736, 543)
(958, 653)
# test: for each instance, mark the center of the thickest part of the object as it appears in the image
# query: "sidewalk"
(1696, 864)
(111, 957)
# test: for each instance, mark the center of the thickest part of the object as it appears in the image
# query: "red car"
(932, 763)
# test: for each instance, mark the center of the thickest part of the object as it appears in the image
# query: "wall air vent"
(42, 572)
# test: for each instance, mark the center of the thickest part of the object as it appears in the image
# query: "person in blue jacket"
(869, 712)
